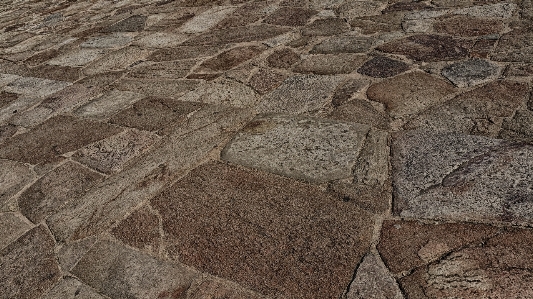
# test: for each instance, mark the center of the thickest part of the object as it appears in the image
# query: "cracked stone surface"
(266, 149)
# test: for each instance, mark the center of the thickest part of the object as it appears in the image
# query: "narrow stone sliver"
(266, 149)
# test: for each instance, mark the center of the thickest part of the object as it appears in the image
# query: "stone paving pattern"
(231, 149)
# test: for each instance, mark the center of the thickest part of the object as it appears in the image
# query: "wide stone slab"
(237, 35)
(274, 235)
(303, 148)
(35, 87)
(462, 177)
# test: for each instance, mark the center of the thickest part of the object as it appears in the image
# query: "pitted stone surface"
(12, 226)
(71, 288)
(302, 148)
(471, 72)
(330, 64)
(13, 178)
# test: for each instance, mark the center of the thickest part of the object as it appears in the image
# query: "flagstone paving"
(266, 149)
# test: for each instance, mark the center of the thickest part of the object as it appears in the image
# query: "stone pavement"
(231, 149)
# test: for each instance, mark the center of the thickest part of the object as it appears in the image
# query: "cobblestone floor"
(232, 149)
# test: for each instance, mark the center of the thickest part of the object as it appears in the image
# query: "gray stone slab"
(471, 72)
(303, 148)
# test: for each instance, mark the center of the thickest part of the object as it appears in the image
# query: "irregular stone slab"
(54, 137)
(237, 35)
(71, 288)
(108, 104)
(56, 72)
(383, 67)
(330, 64)
(519, 70)
(218, 288)
(405, 6)
(483, 47)
(161, 40)
(299, 94)
(515, 46)
(497, 10)
(520, 127)
(462, 177)
(112, 154)
(427, 48)
(131, 24)
(345, 91)
(246, 14)
(79, 57)
(13, 177)
(355, 9)
(22, 104)
(117, 60)
(35, 87)
(182, 52)
(409, 93)
(7, 78)
(361, 111)
(471, 72)
(329, 26)
(7, 131)
(115, 40)
(186, 146)
(65, 183)
(207, 19)
(223, 92)
(140, 230)
(303, 148)
(283, 58)
(380, 23)
(101, 80)
(468, 26)
(372, 166)
(231, 58)
(373, 280)
(279, 231)
(499, 267)
(266, 80)
(142, 276)
(343, 44)
(168, 88)
(12, 227)
(374, 199)
(406, 245)
(28, 266)
(162, 70)
(290, 16)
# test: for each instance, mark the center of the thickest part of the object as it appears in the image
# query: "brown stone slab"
(236, 35)
(272, 234)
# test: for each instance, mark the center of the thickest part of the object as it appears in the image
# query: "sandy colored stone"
(182, 52)
(162, 70)
(12, 226)
(108, 104)
(161, 40)
(35, 87)
(223, 92)
(13, 177)
(218, 288)
(207, 19)
(263, 231)
(231, 58)
(520, 127)
(79, 57)
(372, 166)
(345, 91)
(515, 46)
(330, 64)
(117, 60)
(114, 40)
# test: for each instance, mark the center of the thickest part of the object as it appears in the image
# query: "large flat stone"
(117, 60)
(78, 57)
(108, 104)
(237, 35)
(140, 230)
(471, 72)
(231, 58)
(119, 272)
(162, 70)
(298, 147)
(161, 40)
(35, 87)
(271, 234)
(13, 177)
(290, 16)
(515, 46)
(223, 92)
(182, 52)
(28, 266)
(207, 19)
(330, 64)
(114, 40)
(343, 44)
(462, 177)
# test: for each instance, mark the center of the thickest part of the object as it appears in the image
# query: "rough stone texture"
(302, 148)
(468, 26)
(71, 288)
(168, 88)
(515, 46)
(266, 80)
(115, 40)
(131, 24)
(284, 58)
(299, 94)
(519, 70)
(111, 154)
(266, 232)
(470, 72)
(452, 176)
(79, 57)
(409, 93)
(108, 104)
(372, 166)
(69, 254)
(329, 26)
(373, 280)
(34, 250)
(223, 92)
(345, 91)
(427, 48)
(182, 52)
(54, 137)
(140, 230)
(237, 35)
(35, 87)
(231, 58)
(13, 177)
(206, 20)
(161, 40)
(12, 226)
(162, 70)
(520, 127)
(383, 67)
(218, 289)
(343, 44)
(46, 196)
(141, 276)
(117, 60)
(330, 64)
(391, 22)
(290, 16)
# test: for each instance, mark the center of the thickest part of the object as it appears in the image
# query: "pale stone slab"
(35, 87)
(114, 40)
(76, 58)
(108, 104)
(207, 19)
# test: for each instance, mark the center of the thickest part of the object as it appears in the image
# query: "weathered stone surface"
(361, 111)
(515, 46)
(330, 64)
(46, 196)
(237, 35)
(290, 16)
(141, 276)
(54, 137)
(427, 48)
(140, 230)
(276, 230)
(7, 78)
(519, 70)
(218, 289)
(12, 226)
(108, 104)
(382, 23)
(266, 80)
(223, 92)
(302, 148)
(248, 13)
(13, 177)
(162, 70)
(69, 254)
(520, 127)
(373, 280)
(168, 88)
(79, 57)
(7, 131)
(28, 266)
(35, 87)
(114, 40)
(155, 114)
(101, 80)
(117, 60)
(462, 177)
(471, 72)
(343, 44)
(130, 24)
(161, 40)
(55, 72)
(299, 94)
(405, 6)
(283, 58)
(468, 26)
(355, 9)
(71, 288)
(372, 166)
(483, 47)
(182, 52)
(374, 199)
(493, 10)
(406, 245)
(231, 58)
(329, 26)
(383, 67)
(409, 93)
(111, 154)
(345, 91)
(206, 19)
